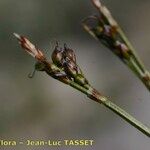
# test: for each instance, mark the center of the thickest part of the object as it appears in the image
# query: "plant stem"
(139, 68)
(116, 109)
(96, 96)
(134, 63)
(137, 124)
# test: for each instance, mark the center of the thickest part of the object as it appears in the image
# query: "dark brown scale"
(57, 56)
(70, 67)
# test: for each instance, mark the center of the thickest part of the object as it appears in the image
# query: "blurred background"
(43, 108)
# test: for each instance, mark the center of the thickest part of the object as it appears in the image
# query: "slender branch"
(109, 33)
(65, 69)
(115, 108)
(96, 96)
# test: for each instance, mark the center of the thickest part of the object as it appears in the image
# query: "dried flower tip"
(108, 15)
(96, 3)
(105, 12)
(29, 47)
(17, 36)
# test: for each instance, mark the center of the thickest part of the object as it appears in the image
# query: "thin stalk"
(115, 108)
(134, 122)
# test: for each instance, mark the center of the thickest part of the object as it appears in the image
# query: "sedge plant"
(64, 68)
(105, 28)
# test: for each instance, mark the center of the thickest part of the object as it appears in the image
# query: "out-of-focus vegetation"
(42, 108)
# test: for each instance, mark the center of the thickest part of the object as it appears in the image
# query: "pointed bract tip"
(17, 35)
(97, 3)
(29, 47)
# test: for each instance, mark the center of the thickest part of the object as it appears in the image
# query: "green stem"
(134, 122)
(116, 109)
(135, 61)
(96, 96)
